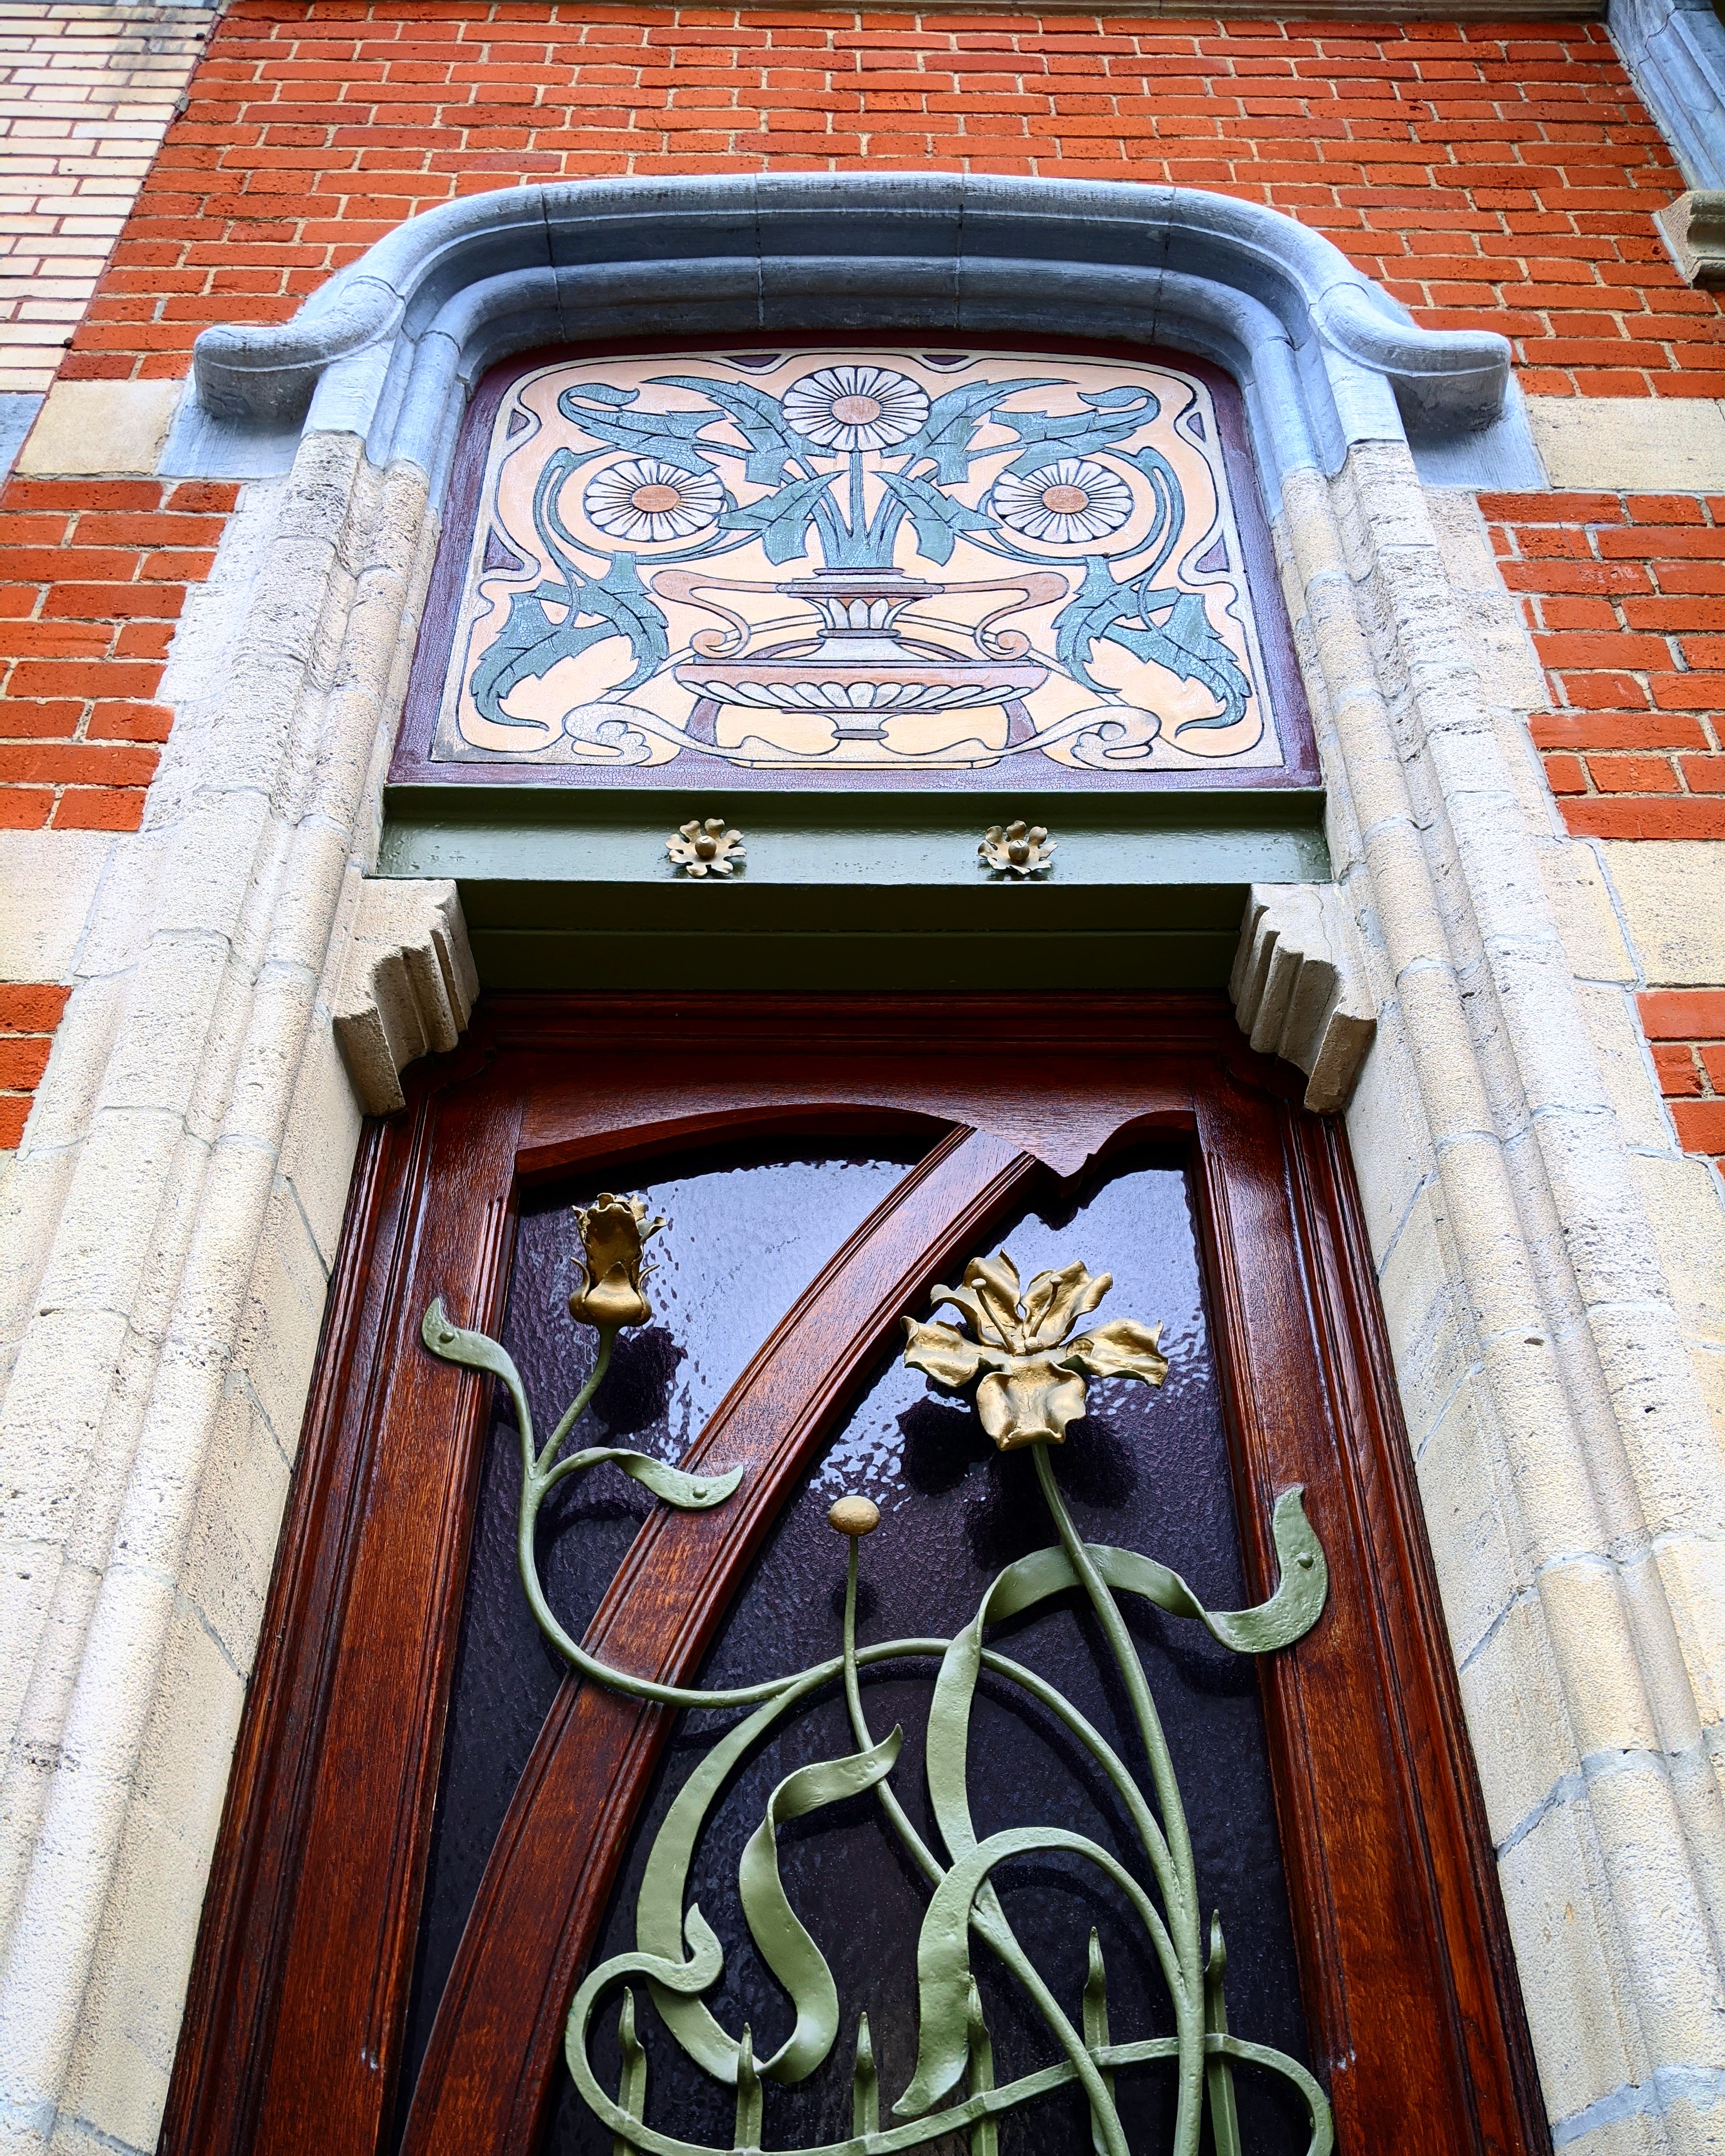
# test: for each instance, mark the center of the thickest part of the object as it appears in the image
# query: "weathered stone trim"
(1693, 229)
(390, 348)
(171, 1223)
(1675, 52)
(407, 985)
(1298, 988)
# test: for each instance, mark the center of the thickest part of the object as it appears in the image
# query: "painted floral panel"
(892, 561)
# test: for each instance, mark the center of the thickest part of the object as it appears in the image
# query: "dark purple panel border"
(412, 763)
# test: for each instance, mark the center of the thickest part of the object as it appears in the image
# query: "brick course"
(1687, 1029)
(1625, 598)
(28, 1018)
(86, 94)
(96, 572)
(1495, 175)
(1491, 175)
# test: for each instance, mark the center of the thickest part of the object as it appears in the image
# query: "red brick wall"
(95, 575)
(1686, 1027)
(1501, 175)
(1625, 595)
(27, 1018)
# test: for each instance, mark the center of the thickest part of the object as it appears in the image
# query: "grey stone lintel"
(392, 346)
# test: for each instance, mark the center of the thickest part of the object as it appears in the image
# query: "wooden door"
(972, 1111)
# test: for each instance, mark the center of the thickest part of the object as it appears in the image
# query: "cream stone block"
(90, 428)
(1503, 656)
(1427, 1316)
(1673, 898)
(1576, 1990)
(224, 1574)
(1581, 903)
(1692, 1579)
(1686, 1213)
(1513, 1698)
(1661, 444)
(277, 1345)
(1387, 1132)
(1678, 2113)
(322, 1140)
(1587, 1606)
(1680, 1992)
(1466, 1493)
(47, 884)
(1615, 1028)
(117, 2083)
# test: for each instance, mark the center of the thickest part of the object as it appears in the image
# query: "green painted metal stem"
(1182, 1904)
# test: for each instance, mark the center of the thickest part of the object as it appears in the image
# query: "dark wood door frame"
(294, 2023)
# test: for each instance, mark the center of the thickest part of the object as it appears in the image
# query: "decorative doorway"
(1199, 1498)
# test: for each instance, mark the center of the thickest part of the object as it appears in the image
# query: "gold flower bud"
(613, 1231)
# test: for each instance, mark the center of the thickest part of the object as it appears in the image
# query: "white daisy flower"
(855, 408)
(638, 498)
(1063, 503)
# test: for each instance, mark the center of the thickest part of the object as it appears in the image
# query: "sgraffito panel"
(871, 564)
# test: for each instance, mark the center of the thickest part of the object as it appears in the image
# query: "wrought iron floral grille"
(1016, 1344)
(934, 561)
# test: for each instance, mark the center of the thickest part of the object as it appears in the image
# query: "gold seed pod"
(854, 1516)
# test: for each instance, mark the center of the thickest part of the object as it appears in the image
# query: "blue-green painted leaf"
(531, 643)
(1111, 414)
(781, 519)
(615, 416)
(1185, 643)
(937, 517)
(1164, 534)
(772, 442)
(953, 422)
(1188, 646)
(1094, 607)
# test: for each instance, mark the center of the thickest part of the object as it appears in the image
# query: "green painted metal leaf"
(784, 1942)
(659, 1922)
(689, 1493)
(476, 1350)
(943, 1979)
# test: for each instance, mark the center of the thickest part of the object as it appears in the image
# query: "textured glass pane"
(1148, 1471)
(745, 1235)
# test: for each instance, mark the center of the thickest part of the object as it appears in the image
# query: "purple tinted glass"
(1148, 1471)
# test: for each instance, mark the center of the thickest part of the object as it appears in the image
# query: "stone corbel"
(407, 985)
(1693, 228)
(1298, 988)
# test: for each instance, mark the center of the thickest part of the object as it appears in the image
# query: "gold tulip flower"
(612, 1230)
(1030, 1378)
